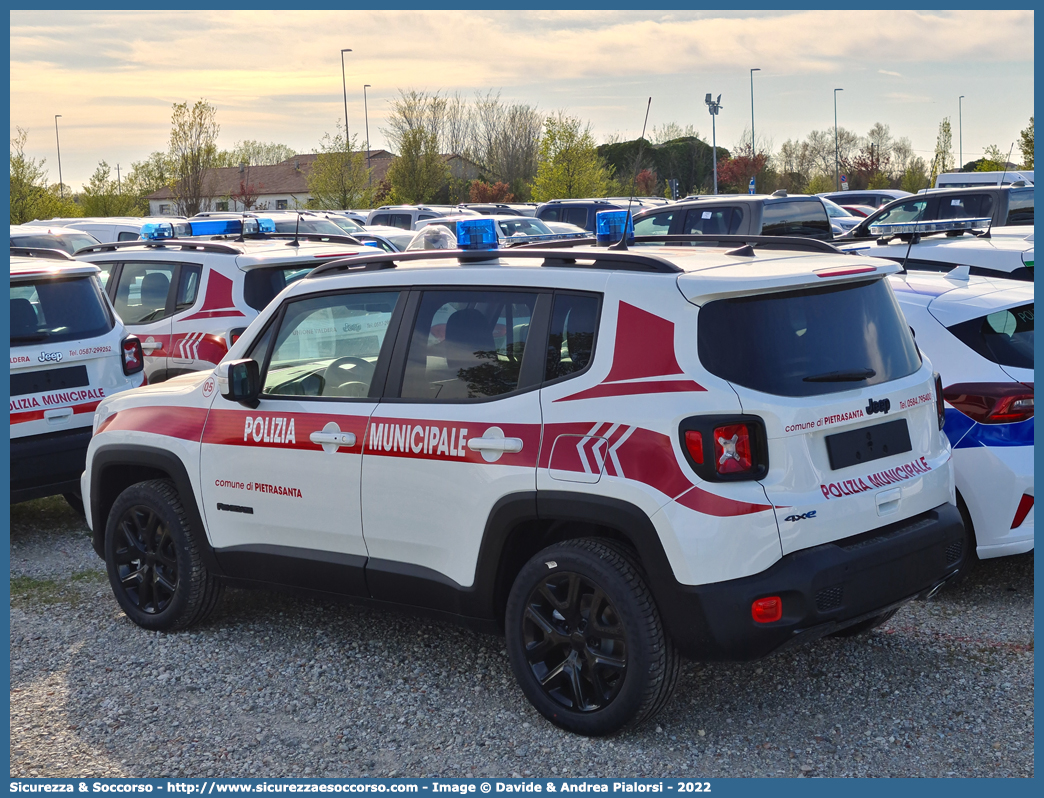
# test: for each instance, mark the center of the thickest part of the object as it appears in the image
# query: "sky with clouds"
(276, 75)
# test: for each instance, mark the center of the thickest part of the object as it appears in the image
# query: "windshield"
(52, 310)
(523, 226)
(1004, 337)
(67, 242)
(808, 342)
(346, 224)
(833, 209)
(310, 224)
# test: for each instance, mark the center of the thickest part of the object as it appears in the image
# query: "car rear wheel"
(154, 565)
(585, 638)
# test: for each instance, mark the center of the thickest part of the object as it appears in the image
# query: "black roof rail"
(330, 238)
(41, 252)
(562, 243)
(182, 243)
(591, 259)
(757, 242)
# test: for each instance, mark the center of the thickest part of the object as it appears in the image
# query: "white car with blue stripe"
(940, 246)
(978, 333)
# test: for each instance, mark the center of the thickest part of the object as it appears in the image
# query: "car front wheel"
(154, 565)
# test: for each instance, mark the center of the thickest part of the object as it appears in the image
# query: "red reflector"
(841, 272)
(694, 443)
(1024, 507)
(767, 610)
(732, 449)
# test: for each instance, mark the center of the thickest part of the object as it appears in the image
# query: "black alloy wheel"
(146, 559)
(154, 560)
(585, 639)
(574, 642)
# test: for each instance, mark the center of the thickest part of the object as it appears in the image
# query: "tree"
(103, 195)
(146, 177)
(31, 197)
(486, 192)
(944, 148)
(993, 160)
(192, 152)
(734, 173)
(1026, 145)
(570, 165)
(255, 153)
(419, 172)
(339, 178)
(915, 177)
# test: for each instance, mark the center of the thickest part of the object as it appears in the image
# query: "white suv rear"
(68, 352)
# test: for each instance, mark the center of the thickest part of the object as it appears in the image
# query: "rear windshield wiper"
(21, 339)
(855, 375)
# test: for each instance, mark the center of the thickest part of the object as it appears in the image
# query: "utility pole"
(344, 88)
(61, 186)
(366, 116)
(119, 191)
(960, 131)
(837, 179)
(714, 106)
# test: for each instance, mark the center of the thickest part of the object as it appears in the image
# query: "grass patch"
(30, 591)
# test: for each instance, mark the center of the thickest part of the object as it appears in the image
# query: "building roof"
(288, 177)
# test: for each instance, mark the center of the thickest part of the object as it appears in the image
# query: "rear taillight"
(694, 445)
(132, 355)
(992, 402)
(940, 401)
(1025, 505)
(732, 449)
(725, 448)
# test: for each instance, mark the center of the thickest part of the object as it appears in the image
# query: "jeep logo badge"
(878, 407)
(50, 357)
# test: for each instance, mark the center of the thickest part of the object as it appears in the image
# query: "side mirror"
(240, 381)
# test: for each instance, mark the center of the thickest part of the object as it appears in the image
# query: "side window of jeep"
(571, 341)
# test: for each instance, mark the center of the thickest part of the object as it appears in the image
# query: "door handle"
(495, 444)
(333, 438)
(148, 347)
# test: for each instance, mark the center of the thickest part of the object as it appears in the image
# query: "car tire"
(585, 639)
(863, 627)
(75, 500)
(153, 560)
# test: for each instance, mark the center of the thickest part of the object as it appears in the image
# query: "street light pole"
(714, 106)
(366, 116)
(960, 131)
(344, 87)
(61, 187)
(753, 150)
(837, 180)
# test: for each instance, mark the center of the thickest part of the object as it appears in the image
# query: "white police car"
(68, 352)
(942, 245)
(512, 230)
(978, 333)
(612, 457)
(189, 297)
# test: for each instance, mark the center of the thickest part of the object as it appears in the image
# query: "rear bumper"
(46, 465)
(823, 589)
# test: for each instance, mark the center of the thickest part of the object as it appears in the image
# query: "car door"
(458, 431)
(143, 296)
(281, 480)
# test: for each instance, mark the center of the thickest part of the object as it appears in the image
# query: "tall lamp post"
(714, 106)
(366, 116)
(61, 187)
(960, 132)
(753, 150)
(344, 87)
(837, 180)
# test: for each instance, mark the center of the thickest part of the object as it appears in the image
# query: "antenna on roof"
(1001, 183)
(297, 231)
(622, 243)
(915, 236)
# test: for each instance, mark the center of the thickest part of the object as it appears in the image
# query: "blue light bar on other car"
(923, 228)
(611, 226)
(476, 234)
(157, 231)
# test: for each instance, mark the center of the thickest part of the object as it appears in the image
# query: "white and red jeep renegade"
(614, 458)
(189, 297)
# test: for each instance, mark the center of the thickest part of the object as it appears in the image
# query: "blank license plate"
(868, 443)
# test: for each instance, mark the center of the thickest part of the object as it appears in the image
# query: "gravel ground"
(278, 686)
